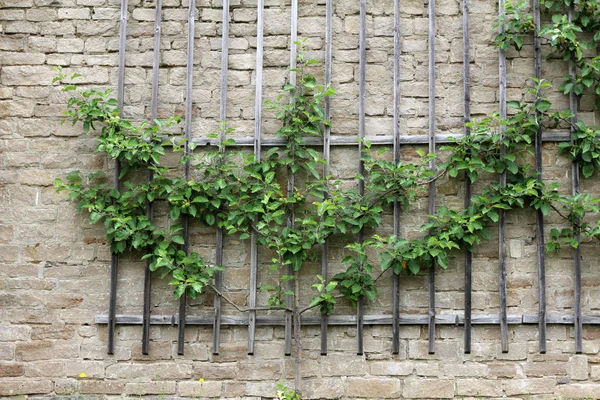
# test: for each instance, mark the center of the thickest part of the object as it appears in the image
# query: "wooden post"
(467, 119)
(188, 126)
(326, 151)
(502, 213)
(431, 200)
(576, 233)
(153, 113)
(361, 134)
(537, 53)
(289, 285)
(257, 149)
(396, 277)
(223, 118)
(114, 261)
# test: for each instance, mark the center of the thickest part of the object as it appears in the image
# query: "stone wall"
(54, 267)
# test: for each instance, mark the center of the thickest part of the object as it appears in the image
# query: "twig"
(245, 309)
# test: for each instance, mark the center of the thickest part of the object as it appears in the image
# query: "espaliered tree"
(293, 209)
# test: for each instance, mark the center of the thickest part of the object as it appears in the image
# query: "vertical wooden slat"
(156, 60)
(361, 134)
(537, 53)
(153, 113)
(114, 262)
(467, 118)
(223, 118)
(188, 127)
(576, 233)
(396, 277)
(502, 213)
(257, 149)
(290, 185)
(326, 157)
(431, 199)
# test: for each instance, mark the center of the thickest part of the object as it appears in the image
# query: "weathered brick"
(428, 389)
(46, 350)
(144, 388)
(156, 371)
(16, 108)
(14, 58)
(73, 45)
(373, 387)
(324, 388)
(579, 391)
(11, 370)
(200, 389)
(22, 387)
(577, 367)
(529, 386)
(10, 333)
(479, 388)
(90, 386)
(392, 368)
(7, 351)
(27, 75)
(40, 14)
(74, 13)
(264, 370)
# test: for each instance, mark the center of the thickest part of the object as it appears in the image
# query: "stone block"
(23, 387)
(577, 367)
(11, 370)
(383, 388)
(200, 389)
(11, 333)
(392, 368)
(428, 389)
(479, 388)
(529, 386)
(156, 371)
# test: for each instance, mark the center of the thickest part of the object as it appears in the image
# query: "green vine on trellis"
(247, 196)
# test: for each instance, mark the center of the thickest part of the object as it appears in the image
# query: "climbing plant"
(285, 201)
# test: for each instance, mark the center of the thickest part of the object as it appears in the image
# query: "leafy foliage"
(285, 202)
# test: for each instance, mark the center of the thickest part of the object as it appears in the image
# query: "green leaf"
(543, 105)
(178, 239)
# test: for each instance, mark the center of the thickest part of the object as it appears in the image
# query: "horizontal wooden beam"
(557, 136)
(347, 320)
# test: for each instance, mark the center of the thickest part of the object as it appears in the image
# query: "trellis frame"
(396, 140)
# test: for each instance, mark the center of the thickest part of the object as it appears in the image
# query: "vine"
(284, 200)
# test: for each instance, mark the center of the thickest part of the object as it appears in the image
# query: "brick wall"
(54, 266)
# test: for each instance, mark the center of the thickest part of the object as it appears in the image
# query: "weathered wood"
(326, 156)
(187, 129)
(431, 142)
(467, 119)
(576, 234)
(112, 307)
(147, 291)
(156, 60)
(153, 113)
(554, 136)
(256, 142)
(122, 51)
(223, 118)
(147, 288)
(362, 69)
(541, 251)
(114, 264)
(289, 285)
(502, 213)
(350, 320)
(396, 140)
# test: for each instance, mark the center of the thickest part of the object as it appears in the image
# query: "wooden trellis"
(396, 140)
